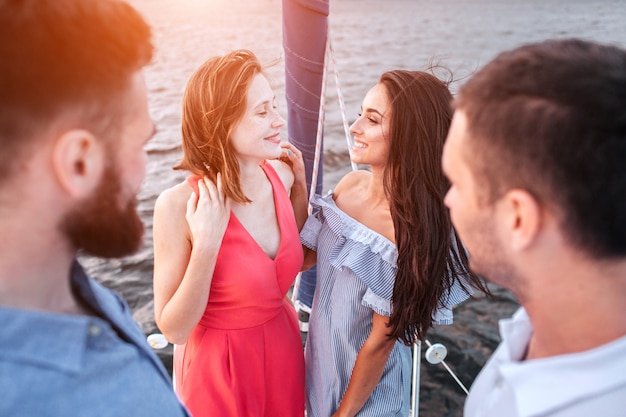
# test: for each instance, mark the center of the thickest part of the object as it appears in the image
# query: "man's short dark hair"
(550, 118)
(64, 56)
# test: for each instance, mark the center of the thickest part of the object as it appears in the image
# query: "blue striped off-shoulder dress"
(356, 270)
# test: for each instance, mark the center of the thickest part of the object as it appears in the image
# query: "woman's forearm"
(300, 202)
(368, 369)
(182, 312)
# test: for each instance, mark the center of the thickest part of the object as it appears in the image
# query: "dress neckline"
(271, 176)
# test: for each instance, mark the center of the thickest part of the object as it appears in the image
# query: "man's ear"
(523, 218)
(78, 161)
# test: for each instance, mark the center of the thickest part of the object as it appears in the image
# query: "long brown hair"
(213, 103)
(429, 261)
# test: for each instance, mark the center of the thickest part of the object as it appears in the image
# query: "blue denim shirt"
(69, 365)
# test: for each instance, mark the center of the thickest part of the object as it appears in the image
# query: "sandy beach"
(368, 37)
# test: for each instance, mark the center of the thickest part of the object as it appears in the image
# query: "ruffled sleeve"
(311, 230)
(456, 295)
(349, 244)
(368, 254)
(459, 292)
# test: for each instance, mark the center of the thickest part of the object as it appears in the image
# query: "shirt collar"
(549, 374)
(52, 340)
(82, 289)
(56, 341)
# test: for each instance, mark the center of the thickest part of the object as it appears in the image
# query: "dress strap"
(271, 173)
(192, 180)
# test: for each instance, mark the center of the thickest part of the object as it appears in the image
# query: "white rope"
(329, 56)
(320, 129)
(342, 106)
(445, 365)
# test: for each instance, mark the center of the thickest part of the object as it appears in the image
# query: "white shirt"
(585, 384)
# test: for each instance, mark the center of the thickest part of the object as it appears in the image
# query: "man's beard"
(99, 226)
(487, 258)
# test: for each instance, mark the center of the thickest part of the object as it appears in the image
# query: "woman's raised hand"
(208, 214)
(293, 157)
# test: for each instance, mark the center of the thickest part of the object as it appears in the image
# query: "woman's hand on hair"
(208, 214)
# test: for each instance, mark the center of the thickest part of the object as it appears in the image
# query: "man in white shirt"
(536, 157)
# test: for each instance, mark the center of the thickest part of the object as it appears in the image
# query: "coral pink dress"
(245, 356)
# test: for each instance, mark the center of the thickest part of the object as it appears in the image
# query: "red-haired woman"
(227, 249)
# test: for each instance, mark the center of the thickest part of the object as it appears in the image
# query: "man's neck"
(35, 269)
(583, 308)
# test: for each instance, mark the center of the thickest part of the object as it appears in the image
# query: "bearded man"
(73, 124)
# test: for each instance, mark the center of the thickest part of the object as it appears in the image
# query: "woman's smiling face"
(371, 129)
(257, 135)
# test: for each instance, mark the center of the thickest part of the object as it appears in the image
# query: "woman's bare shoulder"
(174, 198)
(283, 170)
(351, 182)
